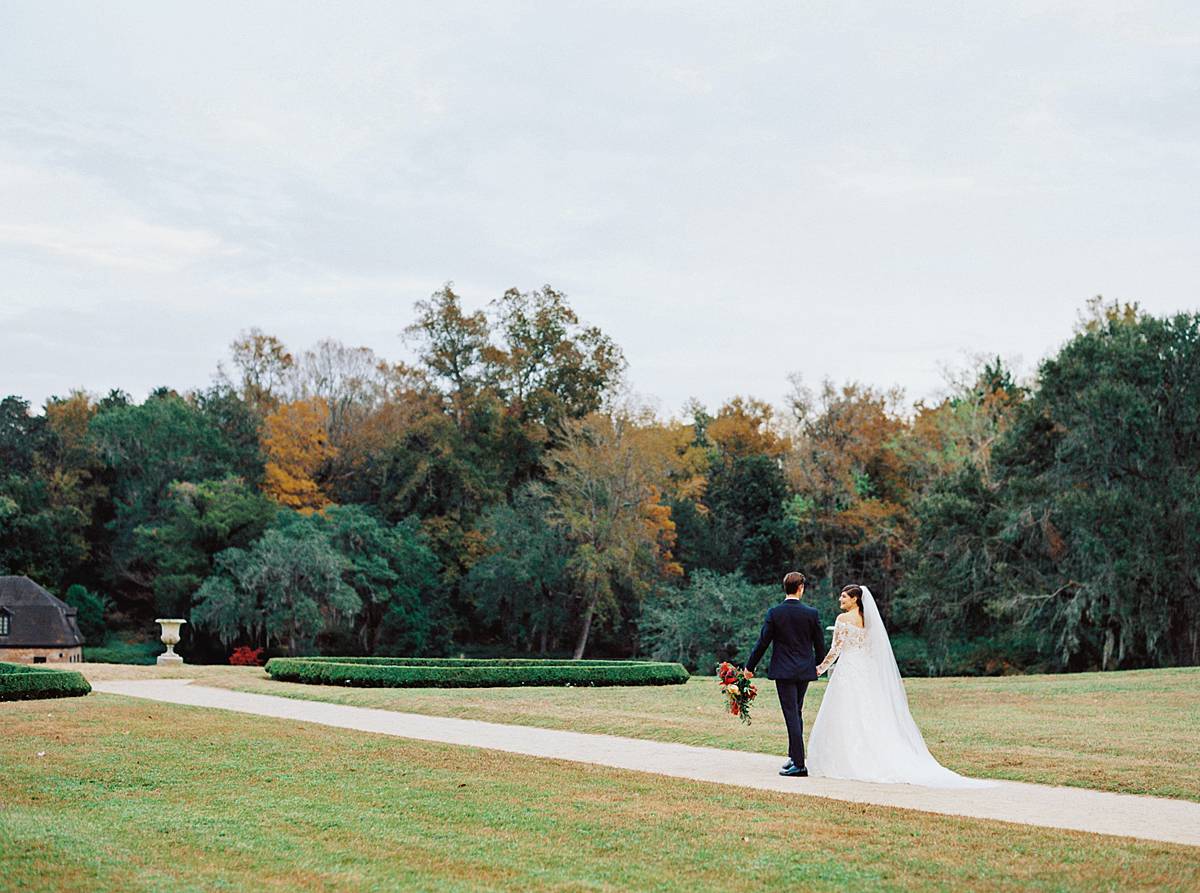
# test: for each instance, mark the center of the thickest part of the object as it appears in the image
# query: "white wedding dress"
(864, 730)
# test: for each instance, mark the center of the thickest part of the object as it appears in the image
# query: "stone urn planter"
(170, 638)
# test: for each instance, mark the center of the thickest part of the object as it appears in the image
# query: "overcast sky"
(733, 191)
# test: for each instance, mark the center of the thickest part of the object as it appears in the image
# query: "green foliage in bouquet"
(737, 689)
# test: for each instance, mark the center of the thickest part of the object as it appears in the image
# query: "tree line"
(501, 495)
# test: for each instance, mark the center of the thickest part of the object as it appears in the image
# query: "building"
(36, 627)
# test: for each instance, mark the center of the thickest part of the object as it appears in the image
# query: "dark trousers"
(791, 700)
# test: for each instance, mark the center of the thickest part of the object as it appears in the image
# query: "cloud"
(64, 215)
(122, 242)
(895, 183)
(689, 80)
(697, 179)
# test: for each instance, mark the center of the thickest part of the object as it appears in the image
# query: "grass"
(1133, 732)
(108, 793)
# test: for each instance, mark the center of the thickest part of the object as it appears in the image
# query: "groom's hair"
(792, 582)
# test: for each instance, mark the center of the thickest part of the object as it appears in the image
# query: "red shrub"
(245, 656)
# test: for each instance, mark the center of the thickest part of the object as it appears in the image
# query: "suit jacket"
(795, 628)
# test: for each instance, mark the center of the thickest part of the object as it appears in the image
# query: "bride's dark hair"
(855, 592)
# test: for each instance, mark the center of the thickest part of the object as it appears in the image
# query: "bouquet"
(739, 691)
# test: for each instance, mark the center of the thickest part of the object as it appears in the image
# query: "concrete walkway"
(1099, 812)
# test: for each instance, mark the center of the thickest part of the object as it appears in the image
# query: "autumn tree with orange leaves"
(852, 482)
(296, 443)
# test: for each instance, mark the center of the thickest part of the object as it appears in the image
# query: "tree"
(364, 468)
(716, 617)
(480, 411)
(1083, 532)
(423, 464)
(731, 506)
(90, 609)
(958, 583)
(455, 347)
(350, 381)
(21, 435)
(607, 506)
(395, 575)
(965, 426)
(1103, 483)
(552, 366)
(296, 444)
(745, 427)
(287, 588)
(522, 585)
(853, 489)
(146, 449)
(749, 530)
(48, 489)
(264, 368)
(956, 587)
(198, 521)
(240, 425)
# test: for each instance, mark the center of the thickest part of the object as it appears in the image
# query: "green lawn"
(1134, 732)
(108, 793)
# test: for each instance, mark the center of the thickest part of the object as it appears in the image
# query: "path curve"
(1076, 809)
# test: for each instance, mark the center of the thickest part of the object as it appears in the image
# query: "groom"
(799, 643)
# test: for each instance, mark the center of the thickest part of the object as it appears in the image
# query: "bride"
(864, 730)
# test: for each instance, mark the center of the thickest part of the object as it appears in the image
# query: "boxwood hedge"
(416, 672)
(20, 682)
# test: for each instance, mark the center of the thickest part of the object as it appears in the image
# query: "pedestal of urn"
(170, 638)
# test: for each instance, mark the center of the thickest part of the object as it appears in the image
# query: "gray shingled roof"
(36, 618)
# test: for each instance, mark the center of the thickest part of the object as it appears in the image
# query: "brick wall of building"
(52, 655)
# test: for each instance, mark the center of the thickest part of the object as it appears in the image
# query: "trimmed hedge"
(416, 672)
(21, 682)
(142, 653)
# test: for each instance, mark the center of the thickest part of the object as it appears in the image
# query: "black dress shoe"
(794, 772)
(788, 765)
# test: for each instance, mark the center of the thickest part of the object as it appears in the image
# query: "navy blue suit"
(795, 629)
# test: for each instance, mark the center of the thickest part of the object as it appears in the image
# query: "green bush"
(1000, 655)
(912, 655)
(20, 682)
(717, 617)
(90, 609)
(123, 653)
(403, 672)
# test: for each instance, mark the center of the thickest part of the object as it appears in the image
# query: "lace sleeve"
(835, 647)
